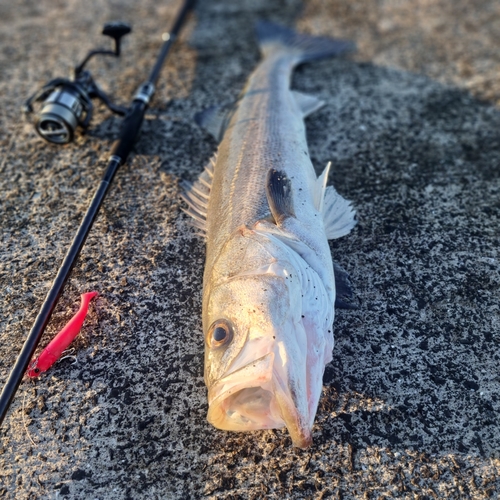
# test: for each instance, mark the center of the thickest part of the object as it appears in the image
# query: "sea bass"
(269, 285)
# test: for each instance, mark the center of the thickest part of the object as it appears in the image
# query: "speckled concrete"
(410, 407)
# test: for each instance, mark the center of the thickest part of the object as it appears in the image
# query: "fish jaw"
(262, 395)
(242, 401)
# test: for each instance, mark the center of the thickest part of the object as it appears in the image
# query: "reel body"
(67, 104)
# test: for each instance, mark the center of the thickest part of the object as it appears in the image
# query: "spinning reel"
(67, 104)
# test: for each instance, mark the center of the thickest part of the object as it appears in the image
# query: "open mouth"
(244, 400)
(253, 408)
(254, 398)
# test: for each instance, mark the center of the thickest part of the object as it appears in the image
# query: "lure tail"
(274, 39)
(62, 340)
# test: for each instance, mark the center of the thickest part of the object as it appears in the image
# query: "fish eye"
(220, 333)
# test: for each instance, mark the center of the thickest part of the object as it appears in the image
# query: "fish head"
(264, 347)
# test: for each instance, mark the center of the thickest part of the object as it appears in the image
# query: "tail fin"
(274, 38)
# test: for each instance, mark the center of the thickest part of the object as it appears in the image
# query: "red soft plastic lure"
(62, 340)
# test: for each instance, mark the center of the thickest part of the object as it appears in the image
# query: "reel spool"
(67, 104)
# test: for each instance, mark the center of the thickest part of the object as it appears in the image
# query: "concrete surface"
(411, 400)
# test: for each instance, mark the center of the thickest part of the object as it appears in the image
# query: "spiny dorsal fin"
(307, 103)
(196, 195)
(279, 196)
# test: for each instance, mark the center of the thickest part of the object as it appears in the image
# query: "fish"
(269, 285)
(62, 340)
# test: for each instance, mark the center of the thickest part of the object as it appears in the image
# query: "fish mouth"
(256, 397)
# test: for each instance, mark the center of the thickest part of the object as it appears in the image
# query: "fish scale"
(256, 140)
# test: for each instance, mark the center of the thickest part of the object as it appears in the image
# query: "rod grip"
(130, 128)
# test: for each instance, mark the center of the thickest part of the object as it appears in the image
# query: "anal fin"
(307, 103)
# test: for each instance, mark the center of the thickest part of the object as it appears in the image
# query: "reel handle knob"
(116, 30)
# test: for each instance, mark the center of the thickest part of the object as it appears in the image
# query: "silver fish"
(268, 286)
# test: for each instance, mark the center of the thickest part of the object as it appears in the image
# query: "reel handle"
(116, 30)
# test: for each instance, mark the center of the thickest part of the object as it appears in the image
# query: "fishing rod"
(67, 104)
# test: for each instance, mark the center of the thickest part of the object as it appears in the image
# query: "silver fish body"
(269, 287)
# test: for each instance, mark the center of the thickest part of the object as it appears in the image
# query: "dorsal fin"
(197, 194)
(215, 119)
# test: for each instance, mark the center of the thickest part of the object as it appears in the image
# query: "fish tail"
(274, 38)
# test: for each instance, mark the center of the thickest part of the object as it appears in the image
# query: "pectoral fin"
(279, 196)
